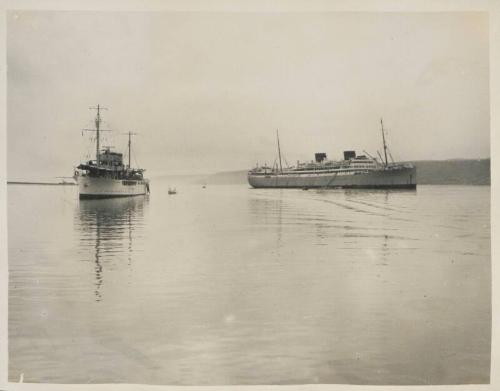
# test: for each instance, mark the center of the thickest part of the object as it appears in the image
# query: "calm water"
(228, 285)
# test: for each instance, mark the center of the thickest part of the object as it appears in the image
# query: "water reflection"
(267, 214)
(109, 230)
(229, 286)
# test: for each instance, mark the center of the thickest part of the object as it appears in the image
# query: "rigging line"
(135, 159)
(279, 149)
(390, 154)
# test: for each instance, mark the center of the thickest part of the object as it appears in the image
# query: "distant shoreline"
(40, 183)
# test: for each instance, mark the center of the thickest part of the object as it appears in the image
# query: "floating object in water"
(172, 191)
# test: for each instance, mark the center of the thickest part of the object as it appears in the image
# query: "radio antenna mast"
(97, 130)
(129, 146)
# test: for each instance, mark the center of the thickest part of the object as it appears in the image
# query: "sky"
(207, 91)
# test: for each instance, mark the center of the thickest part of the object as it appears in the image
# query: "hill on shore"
(429, 172)
(453, 172)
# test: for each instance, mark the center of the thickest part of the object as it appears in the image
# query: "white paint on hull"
(397, 178)
(107, 187)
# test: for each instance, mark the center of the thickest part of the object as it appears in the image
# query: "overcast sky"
(207, 91)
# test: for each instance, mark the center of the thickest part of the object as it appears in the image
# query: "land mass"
(41, 183)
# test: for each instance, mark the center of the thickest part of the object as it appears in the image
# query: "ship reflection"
(386, 192)
(109, 230)
(268, 213)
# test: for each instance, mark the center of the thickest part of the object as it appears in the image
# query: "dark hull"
(382, 187)
(101, 196)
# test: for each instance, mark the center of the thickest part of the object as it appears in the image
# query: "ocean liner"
(362, 171)
(107, 176)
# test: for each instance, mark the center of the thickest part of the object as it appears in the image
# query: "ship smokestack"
(349, 155)
(319, 157)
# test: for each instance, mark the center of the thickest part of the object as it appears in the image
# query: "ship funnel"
(319, 157)
(349, 155)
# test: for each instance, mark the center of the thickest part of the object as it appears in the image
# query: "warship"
(107, 176)
(354, 171)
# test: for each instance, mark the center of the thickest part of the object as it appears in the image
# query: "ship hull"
(401, 178)
(99, 187)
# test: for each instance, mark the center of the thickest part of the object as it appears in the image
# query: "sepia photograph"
(217, 198)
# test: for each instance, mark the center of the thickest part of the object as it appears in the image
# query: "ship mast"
(97, 124)
(130, 134)
(97, 130)
(279, 150)
(383, 139)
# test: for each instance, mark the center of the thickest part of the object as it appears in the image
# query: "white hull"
(100, 187)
